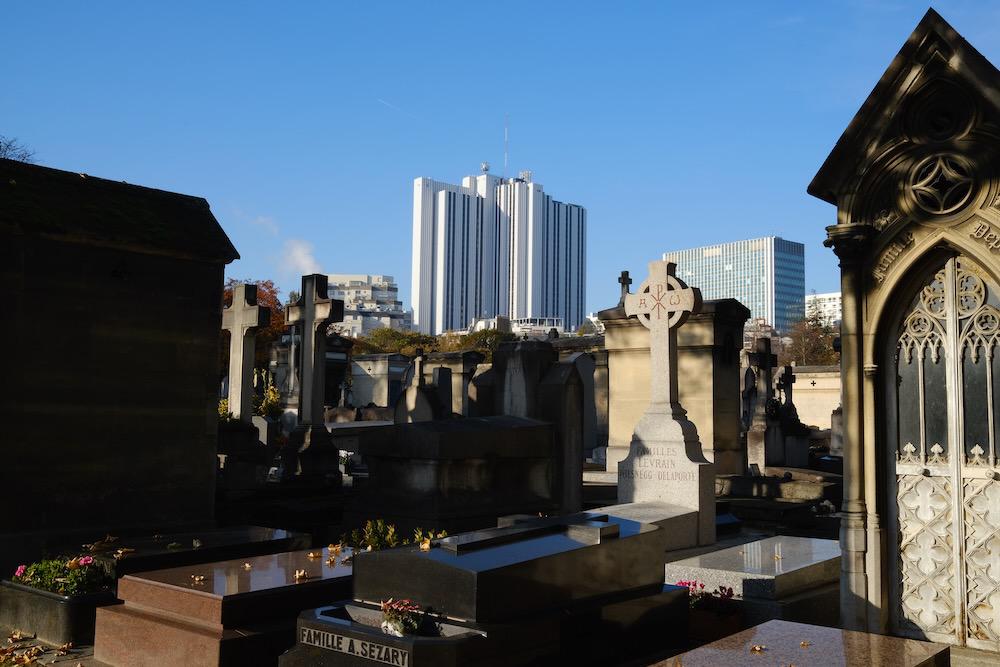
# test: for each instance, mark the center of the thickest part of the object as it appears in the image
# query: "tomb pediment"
(84, 209)
(919, 147)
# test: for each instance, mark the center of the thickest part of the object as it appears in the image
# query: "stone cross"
(624, 281)
(662, 303)
(313, 312)
(785, 382)
(763, 361)
(241, 320)
(665, 464)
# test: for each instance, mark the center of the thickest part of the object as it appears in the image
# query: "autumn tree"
(810, 343)
(12, 149)
(267, 296)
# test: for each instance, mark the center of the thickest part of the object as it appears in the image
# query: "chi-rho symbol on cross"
(662, 303)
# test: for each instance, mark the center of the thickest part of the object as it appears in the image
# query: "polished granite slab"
(217, 592)
(138, 553)
(232, 612)
(772, 568)
(786, 643)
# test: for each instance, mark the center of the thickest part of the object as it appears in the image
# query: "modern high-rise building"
(494, 246)
(827, 306)
(767, 275)
(370, 302)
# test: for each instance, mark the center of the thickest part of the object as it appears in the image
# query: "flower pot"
(53, 618)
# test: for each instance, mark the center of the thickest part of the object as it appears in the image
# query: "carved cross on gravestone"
(763, 361)
(313, 312)
(241, 320)
(662, 303)
(624, 281)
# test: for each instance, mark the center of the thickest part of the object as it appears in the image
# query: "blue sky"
(304, 124)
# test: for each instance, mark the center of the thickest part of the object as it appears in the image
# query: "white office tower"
(492, 247)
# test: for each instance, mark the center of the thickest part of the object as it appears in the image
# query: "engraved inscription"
(361, 648)
(891, 254)
(986, 234)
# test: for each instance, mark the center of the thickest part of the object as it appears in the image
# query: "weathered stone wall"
(817, 394)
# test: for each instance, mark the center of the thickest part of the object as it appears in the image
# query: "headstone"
(312, 313)
(566, 400)
(707, 348)
(457, 474)
(794, 432)
(463, 367)
(765, 444)
(481, 392)
(665, 463)
(241, 320)
(423, 401)
(837, 432)
(519, 368)
(535, 591)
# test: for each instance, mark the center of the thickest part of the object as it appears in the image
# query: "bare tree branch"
(12, 149)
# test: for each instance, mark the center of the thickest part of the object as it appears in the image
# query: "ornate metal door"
(944, 472)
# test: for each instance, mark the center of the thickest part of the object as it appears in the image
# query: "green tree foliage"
(811, 344)
(394, 341)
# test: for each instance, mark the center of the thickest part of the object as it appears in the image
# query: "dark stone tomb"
(583, 589)
(457, 474)
(112, 328)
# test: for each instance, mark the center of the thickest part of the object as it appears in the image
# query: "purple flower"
(19, 572)
(86, 560)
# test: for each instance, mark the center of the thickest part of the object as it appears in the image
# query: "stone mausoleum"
(916, 182)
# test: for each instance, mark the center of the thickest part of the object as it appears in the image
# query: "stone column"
(850, 241)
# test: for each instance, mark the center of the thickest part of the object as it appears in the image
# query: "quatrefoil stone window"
(941, 184)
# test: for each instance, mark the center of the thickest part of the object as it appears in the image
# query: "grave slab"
(232, 612)
(785, 643)
(154, 551)
(678, 525)
(582, 588)
(792, 578)
(771, 568)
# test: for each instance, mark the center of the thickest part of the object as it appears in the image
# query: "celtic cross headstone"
(665, 461)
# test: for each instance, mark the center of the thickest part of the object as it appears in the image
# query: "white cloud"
(266, 223)
(297, 258)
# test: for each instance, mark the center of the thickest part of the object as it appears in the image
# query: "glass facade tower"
(767, 275)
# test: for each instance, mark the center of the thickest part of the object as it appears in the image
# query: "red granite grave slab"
(218, 613)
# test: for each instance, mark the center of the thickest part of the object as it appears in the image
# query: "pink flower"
(86, 560)
(19, 572)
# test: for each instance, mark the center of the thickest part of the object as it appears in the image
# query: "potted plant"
(714, 614)
(56, 599)
(405, 617)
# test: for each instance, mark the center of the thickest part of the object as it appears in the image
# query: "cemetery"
(647, 494)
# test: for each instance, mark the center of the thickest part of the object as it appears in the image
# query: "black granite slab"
(500, 574)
